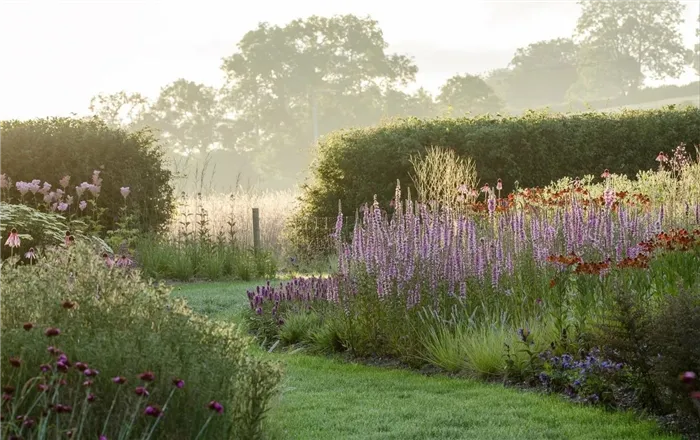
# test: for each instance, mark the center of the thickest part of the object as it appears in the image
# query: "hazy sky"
(57, 54)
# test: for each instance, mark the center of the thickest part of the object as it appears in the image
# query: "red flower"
(141, 391)
(15, 362)
(67, 304)
(80, 366)
(28, 326)
(688, 377)
(119, 380)
(52, 331)
(153, 411)
(90, 398)
(148, 376)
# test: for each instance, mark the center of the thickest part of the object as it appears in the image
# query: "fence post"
(256, 229)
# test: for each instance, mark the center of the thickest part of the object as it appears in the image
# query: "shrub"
(531, 150)
(673, 340)
(115, 322)
(56, 147)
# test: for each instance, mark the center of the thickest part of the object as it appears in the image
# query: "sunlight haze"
(59, 54)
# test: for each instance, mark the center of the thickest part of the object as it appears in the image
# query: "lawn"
(324, 398)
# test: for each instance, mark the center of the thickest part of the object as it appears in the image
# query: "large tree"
(645, 31)
(121, 109)
(696, 49)
(468, 94)
(542, 73)
(286, 85)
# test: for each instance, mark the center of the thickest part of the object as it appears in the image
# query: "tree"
(121, 109)
(469, 94)
(288, 84)
(604, 73)
(500, 81)
(646, 31)
(542, 73)
(696, 51)
(187, 117)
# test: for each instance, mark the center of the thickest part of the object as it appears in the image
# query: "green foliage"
(193, 259)
(299, 327)
(40, 229)
(468, 94)
(123, 326)
(674, 339)
(52, 148)
(354, 165)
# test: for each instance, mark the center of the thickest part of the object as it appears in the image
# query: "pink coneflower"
(13, 240)
(66, 238)
(462, 189)
(216, 406)
(119, 380)
(64, 181)
(661, 157)
(125, 191)
(485, 188)
(606, 174)
(124, 261)
(28, 326)
(499, 184)
(108, 260)
(30, 254)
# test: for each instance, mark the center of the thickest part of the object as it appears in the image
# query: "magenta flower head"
(216, 406)
(119, 380)
(141, 391)
(688, 377)
(103, 437)
(45, 368)
(90, 398)
(148, 376)
(125, 191)
(91, 372)
(81, 366)
(52, 331)
(178, 383)
(153, 411)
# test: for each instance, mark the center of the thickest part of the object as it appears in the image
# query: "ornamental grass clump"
(123, 346)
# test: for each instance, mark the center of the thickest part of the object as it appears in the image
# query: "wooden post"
(256, 229)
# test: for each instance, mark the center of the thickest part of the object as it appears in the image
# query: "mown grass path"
(329, 399)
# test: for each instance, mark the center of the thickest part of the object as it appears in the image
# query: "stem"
(201, 431)
(114, 401)
(153, 428)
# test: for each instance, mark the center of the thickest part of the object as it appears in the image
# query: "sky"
(56, 54)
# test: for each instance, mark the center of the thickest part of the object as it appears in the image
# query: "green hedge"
(48, 149)
(533, 149)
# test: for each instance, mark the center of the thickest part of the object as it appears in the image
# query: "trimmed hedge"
(534, 149)
(51, 148)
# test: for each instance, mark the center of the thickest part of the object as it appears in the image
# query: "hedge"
(48, 149)
(533, 150)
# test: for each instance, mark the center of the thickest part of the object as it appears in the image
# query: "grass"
(325, 398)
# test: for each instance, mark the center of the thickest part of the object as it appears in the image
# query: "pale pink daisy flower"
(13, 240)
(125, 191)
